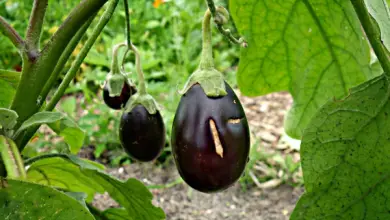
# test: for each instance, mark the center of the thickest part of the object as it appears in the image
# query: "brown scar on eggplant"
(234, 120)
(217, 142)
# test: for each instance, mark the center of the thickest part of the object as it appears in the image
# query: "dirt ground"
(265, 115)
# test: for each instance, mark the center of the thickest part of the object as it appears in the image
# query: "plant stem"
(225, 32)
(126, 5)
(33, 34)
(11, 158)
(83, 53)
(65, 57)
(114, 63)
(207, 60)
(37, 71)
(141, 78)
(11, 33)
(373, 34)
(128, 33)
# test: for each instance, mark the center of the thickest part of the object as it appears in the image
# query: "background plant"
(169, 45)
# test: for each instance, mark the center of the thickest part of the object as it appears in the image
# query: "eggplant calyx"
(211, 81)
(115, 84)
(145, 100)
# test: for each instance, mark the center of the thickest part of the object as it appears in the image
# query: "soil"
(275, 202)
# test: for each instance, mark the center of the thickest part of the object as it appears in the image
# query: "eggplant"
(210, 139)
(142, 134)
(118, 102)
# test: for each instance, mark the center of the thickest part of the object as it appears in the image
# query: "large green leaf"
(132, 195)
(71, 132)
(65, 174)
(78, 175)
(379, 10)
(59, 123)
(40, 118)
(345, 155)
(313, 48)
(24, 200)
(78, 196)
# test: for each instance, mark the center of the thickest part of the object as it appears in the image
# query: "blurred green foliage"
(169, 39)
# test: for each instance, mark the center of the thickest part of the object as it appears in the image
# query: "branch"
(23, 139)
(83, 53)
(65, 57)
(11, 33)
(373, 34)
(34, 29)
(35, 74)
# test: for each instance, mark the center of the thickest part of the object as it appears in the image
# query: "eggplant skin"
(142, 134)
(118, 102)
(193, 143)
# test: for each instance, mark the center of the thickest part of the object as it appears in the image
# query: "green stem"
(114, 63)
(34, 29)
(141, 78)
(128, 33)
(373, 34)
(11, 33)
(44, 156)
(126, 5)
(36, 71)
(83, 53)
(65, 57)
(11, 158)
(207, 61)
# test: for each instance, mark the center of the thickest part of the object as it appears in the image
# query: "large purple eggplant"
(210, 139)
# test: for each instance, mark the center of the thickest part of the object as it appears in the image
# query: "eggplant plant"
(331, 55)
